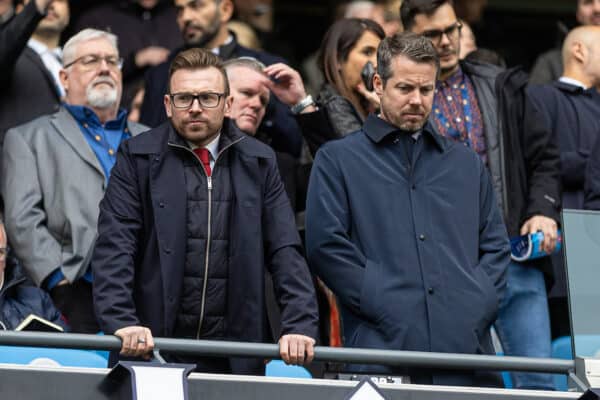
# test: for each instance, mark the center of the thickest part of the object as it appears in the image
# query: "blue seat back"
(280, 369)
(63, 357)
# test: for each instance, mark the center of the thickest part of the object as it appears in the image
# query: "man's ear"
(228, 103)
(167, 102)
(580, 52)
(64, 81)
(378, 85)
(226, 10)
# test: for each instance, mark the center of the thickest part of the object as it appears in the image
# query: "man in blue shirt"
(415, 252)
(54, 172)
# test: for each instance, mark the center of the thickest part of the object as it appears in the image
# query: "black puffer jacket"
(19, 298)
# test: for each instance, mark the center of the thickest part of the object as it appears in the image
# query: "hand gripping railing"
(331, 354)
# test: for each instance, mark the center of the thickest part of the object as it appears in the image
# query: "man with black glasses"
(194, 213)
(471, 107)
(54, 172)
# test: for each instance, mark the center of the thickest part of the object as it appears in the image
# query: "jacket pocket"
(369, 294)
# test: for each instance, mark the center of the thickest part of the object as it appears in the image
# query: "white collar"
(571, 81)
(213, 146)
(217, 50)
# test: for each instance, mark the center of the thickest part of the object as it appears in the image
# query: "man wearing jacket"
(203, 24)
(55, 170)
(194, 213)
(466, 109)
(415, 252)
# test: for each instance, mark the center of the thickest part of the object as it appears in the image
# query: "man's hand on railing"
(296, 349)
(137, 341)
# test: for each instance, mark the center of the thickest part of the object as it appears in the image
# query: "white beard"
(101, 98)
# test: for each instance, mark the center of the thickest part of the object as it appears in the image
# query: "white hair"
(70, 48)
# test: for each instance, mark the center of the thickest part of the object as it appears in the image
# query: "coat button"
(168, 251)
(414, 187)
(422, 238)
(430, 290)
(161, 204)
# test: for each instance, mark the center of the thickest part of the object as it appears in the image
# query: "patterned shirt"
(456, 112)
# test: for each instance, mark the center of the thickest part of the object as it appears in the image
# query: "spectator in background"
(592, 180)
(569, 109)
(15, 33)
(18, 297)
(343, 101)
(468, 42)
(147, 32)
(204, 24)
(524, 166)
(416, 252)
(33, 86)
(244, 34)
(194, 213)
(549, 66)
(55, 170)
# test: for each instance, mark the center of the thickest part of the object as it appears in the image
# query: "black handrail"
(331, 354)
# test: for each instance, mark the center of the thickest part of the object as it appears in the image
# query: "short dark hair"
(337, 43)
(197, 58)
(411, 8)
(410, 45)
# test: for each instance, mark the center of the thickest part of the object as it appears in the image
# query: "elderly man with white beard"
(55, 170)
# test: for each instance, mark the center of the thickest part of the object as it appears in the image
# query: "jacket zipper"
(209, 232)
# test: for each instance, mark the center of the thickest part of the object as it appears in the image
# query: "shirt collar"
(217, 50)
(213, 146)
(455, 79)
(377, 129)
(84, 114)
(40, 48)
(571, 81)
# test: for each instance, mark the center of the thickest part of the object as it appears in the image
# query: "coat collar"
(378, 129)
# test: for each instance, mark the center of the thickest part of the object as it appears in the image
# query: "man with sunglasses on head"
(194, 213)
(524, 168)
(55, 170)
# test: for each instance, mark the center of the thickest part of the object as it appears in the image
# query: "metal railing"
(329, 354)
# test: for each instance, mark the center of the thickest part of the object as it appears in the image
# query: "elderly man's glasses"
(206, 99)
(452, 32)
(93, 61)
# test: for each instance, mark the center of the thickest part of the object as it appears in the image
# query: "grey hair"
(248, 62)
(410, 45)
(70, 48)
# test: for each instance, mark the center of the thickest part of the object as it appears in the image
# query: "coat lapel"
(68, 128)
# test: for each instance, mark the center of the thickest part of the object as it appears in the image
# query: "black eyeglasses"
(93, 61)
(206, 99)
(452, 32)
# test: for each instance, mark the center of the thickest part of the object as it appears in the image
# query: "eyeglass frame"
(435, 35)
(195, 97)
(118, 65)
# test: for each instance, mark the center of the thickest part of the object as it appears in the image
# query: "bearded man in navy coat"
(403, 226)
(194, 213)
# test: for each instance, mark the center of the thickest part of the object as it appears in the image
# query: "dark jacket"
(415, 252)
(571, 115)
(140, 252)
(30, 92)
(136, 28)
(14, 35)
(592, 180)
(278, 123)
(335, 118)
(19, 297)
(522, 158)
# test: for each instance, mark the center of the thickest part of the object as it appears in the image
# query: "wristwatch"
(302, 104)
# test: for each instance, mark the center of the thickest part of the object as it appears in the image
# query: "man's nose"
(196, 106)
(416, 98)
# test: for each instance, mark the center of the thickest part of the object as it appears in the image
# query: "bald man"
(569, 108)
(549, 65)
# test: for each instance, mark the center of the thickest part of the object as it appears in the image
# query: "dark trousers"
(75, 303)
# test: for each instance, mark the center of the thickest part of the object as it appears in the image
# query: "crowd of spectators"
(165, 171)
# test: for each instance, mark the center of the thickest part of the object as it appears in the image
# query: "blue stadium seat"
(587, 345)
(51, 356)
(280, 369)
